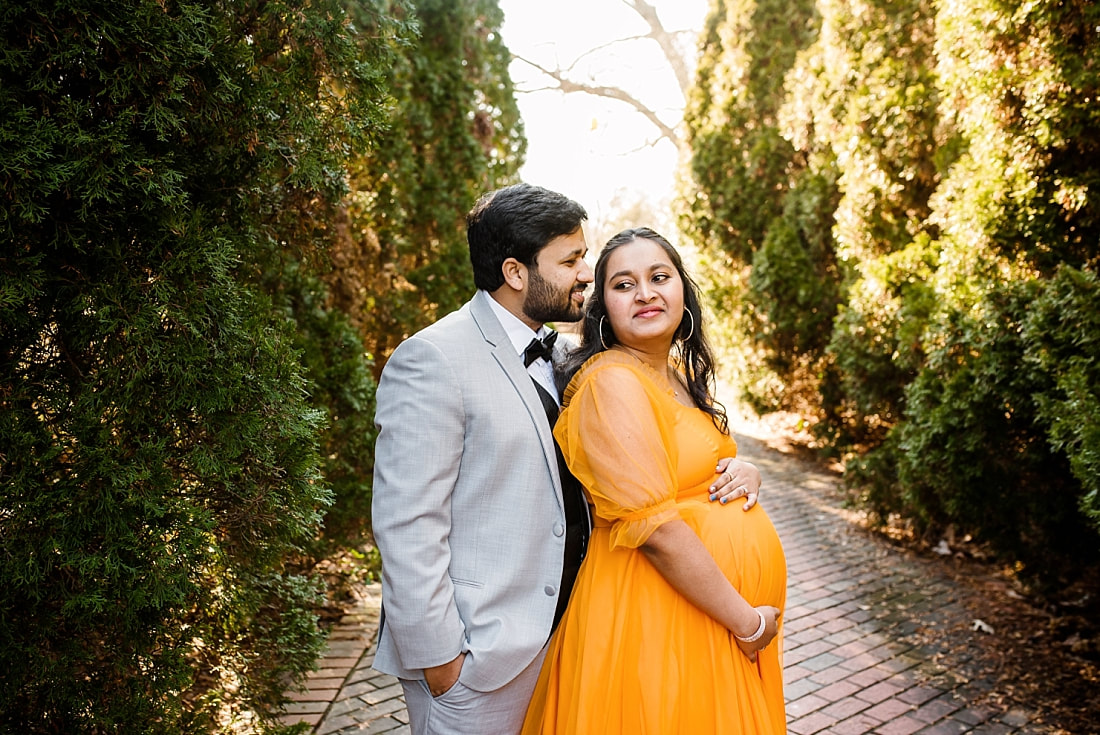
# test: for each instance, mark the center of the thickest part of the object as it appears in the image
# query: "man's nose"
(584, 275)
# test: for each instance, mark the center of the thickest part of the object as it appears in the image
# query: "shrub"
(972, 449)
(1061, 334)
(159, 468)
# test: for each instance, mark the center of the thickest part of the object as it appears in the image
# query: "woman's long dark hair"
(693, 353)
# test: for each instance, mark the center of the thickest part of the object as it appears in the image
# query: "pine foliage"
(455, 132)
(159, 463)
(921, 242)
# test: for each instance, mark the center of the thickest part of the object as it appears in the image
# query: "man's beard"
(544, 304)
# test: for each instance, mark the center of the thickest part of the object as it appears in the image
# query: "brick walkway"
(858, 619)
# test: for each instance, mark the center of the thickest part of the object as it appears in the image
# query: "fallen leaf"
(981, 626)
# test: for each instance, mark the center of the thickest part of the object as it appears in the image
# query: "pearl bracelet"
(759, 631)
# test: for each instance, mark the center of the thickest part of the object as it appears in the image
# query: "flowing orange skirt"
(632, 656)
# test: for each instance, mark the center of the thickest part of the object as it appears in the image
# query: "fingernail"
(713, 496)
(724, 501)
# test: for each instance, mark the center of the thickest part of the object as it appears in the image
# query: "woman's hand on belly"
(736, 479)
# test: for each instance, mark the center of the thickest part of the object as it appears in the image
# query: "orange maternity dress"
(631, 655)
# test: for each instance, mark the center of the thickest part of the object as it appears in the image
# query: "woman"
(672, 624)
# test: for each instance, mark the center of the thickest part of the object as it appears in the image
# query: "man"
(479, 546)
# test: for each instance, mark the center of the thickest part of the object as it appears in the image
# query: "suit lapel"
(505, 355)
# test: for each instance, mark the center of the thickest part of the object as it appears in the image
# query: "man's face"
(557, 280)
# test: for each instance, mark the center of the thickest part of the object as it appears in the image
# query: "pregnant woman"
(673, 625)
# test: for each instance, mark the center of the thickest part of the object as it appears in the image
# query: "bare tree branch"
(665, 40)
(669, 48)
(567, 85)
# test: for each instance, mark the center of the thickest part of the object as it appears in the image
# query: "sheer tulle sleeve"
(618, 444)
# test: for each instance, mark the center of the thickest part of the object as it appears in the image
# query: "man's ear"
(515, 274)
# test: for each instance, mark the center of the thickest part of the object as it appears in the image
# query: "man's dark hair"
(516, 222)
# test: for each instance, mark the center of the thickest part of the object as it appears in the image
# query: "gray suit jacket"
(467, 510)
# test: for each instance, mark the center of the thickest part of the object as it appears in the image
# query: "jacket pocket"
(467, 583)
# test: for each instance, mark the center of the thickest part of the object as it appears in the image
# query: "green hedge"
(159, 464)
(935, 314)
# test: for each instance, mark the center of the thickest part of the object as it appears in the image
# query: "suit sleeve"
(417, 457)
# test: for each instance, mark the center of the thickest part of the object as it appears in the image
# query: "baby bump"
(746, 547)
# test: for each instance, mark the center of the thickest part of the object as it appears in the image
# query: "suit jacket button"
(559, 530)
(550, 591)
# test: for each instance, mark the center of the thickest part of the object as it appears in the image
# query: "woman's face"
(644, 296)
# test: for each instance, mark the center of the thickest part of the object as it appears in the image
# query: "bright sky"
(592, 149)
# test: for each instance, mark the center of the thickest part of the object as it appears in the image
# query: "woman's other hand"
(771, 630)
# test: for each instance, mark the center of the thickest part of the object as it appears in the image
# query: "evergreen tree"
(1004, 403)
(158, 451)
(743, 170)
(924, 274)
(875, 109)
(455, 133)
(740, 162)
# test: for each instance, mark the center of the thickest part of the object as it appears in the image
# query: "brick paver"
(853, 662)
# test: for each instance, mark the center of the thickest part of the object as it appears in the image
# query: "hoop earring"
(692, 330)
(602, 343)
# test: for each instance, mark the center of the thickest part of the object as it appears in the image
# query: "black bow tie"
(543, 348)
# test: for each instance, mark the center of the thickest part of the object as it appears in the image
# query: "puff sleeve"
(618, 442)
